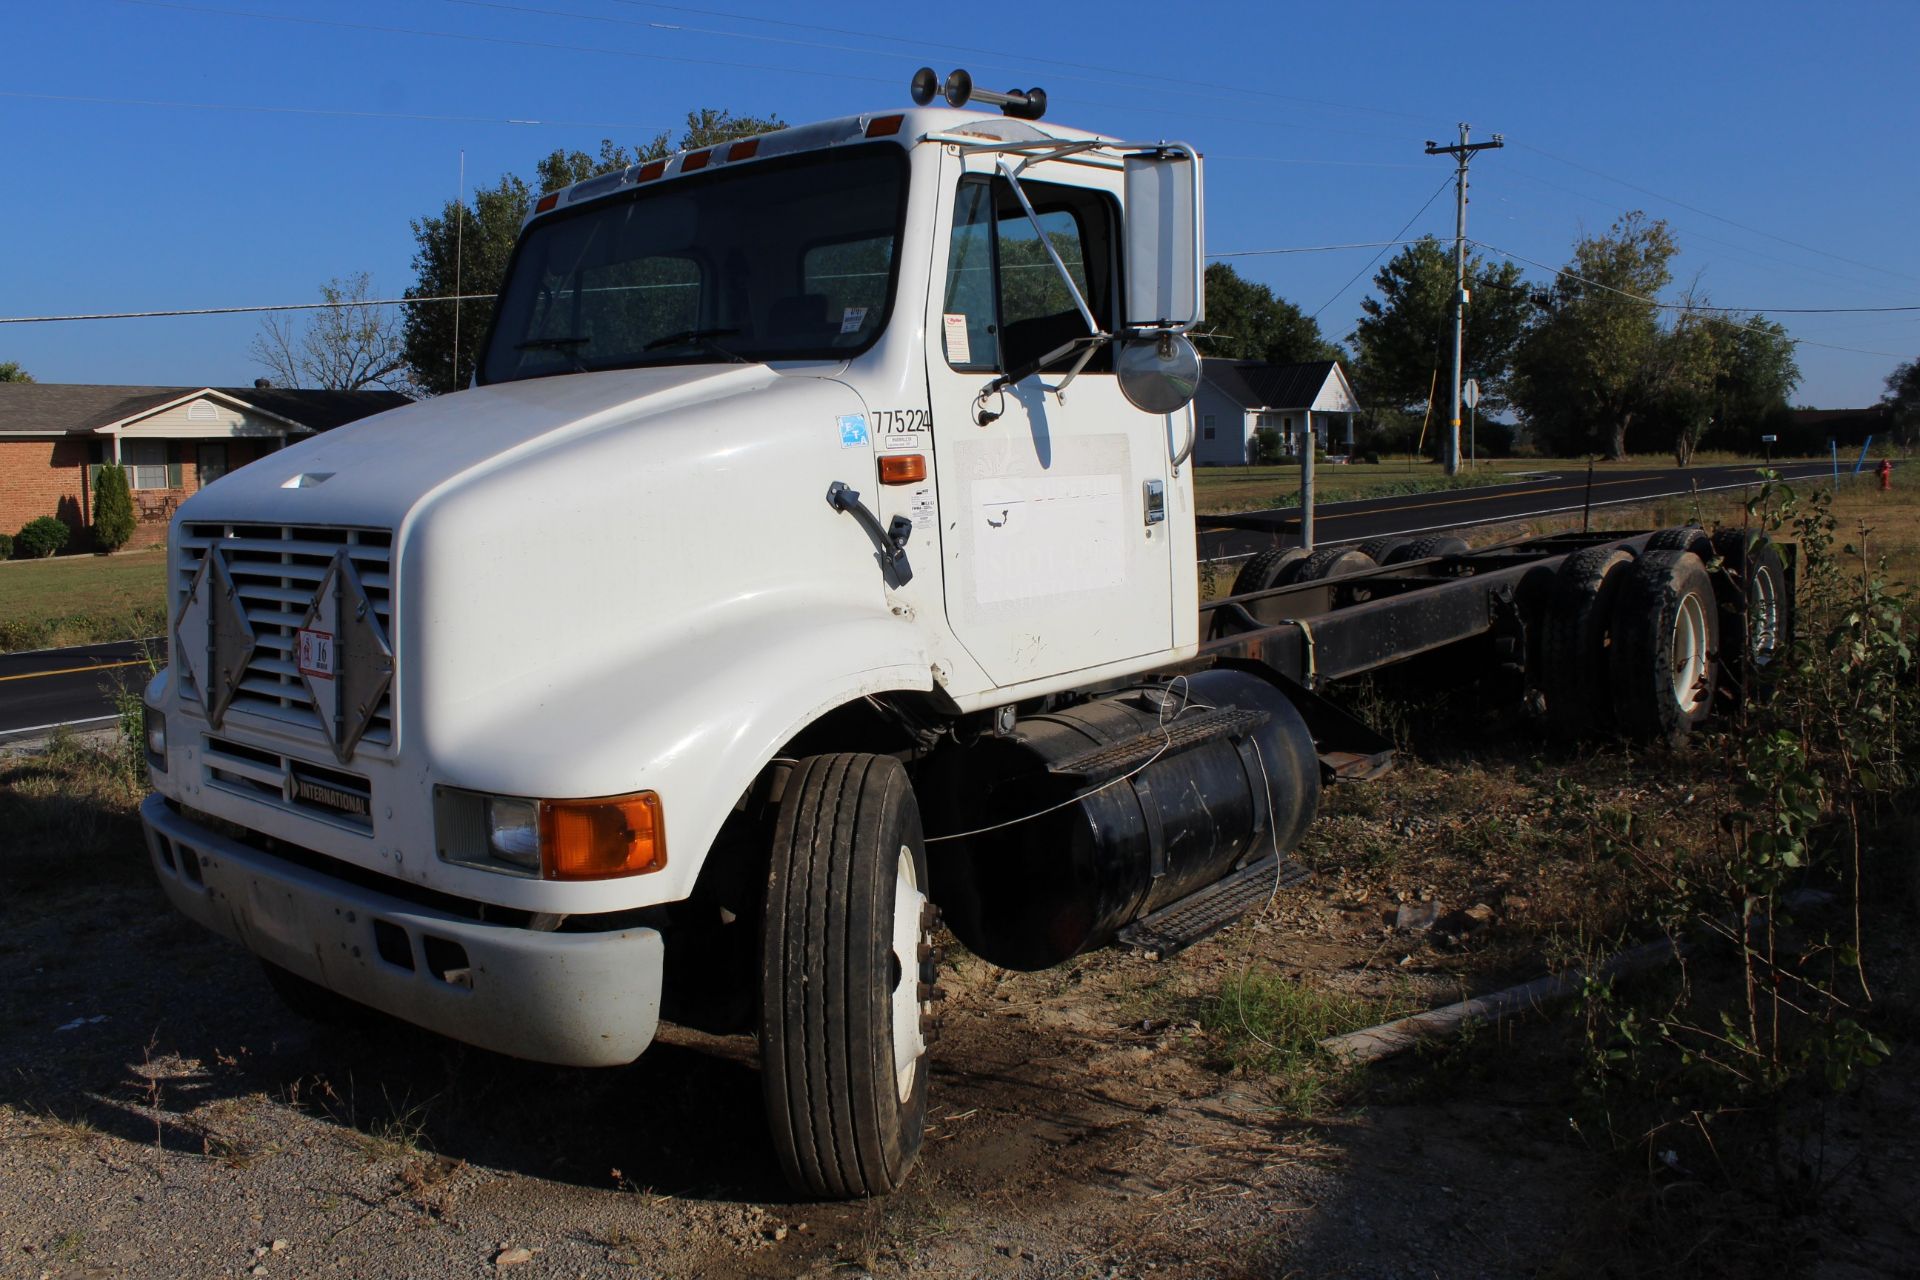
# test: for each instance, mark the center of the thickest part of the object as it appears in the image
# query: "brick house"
(170, 440)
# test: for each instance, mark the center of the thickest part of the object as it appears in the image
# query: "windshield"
(785, 259)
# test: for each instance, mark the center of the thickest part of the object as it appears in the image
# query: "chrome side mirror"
(1159, 373)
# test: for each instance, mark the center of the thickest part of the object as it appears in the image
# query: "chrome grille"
(276, 569)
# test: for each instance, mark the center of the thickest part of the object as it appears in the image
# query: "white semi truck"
(815, 546)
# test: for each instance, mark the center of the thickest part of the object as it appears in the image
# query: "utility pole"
(1462, 151)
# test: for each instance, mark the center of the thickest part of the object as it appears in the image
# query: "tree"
(349, 346)
(464, 248)
(112, 508)
(1903, 401)
(1586, 367)
(10, 371)
(1248, 321)
(1403, 338)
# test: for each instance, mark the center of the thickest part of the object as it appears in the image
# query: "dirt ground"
(162, 1115)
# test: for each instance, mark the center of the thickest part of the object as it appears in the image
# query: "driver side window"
(1005, 303)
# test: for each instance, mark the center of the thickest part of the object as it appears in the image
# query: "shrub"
(6, 546)
(112, 508)
(41, 537)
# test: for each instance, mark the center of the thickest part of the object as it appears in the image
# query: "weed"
(1267, 1024)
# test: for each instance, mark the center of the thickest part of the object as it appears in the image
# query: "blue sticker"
(853, 430)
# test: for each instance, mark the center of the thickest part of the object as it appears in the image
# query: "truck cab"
(610, 684)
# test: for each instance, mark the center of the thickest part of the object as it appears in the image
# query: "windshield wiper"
(698, 337)
(563, 345)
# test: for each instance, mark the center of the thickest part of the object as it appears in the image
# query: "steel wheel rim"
(1763, 616)
(909, 906)
(1689, 653)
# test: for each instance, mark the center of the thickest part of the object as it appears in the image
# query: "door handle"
(1193, 430)
(890, 543)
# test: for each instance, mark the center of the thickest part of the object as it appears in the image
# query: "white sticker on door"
(852, 318)
(959, 346)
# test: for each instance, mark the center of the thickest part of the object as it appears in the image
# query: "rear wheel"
(1686, 537)
(846, 977)
(1434, 544)
(1266, 569)
(1579, 629)
(1666, 641)
(1382, 549)
(1756, 610)
(1332, 562)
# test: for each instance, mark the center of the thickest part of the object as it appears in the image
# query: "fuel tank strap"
(1188, 730)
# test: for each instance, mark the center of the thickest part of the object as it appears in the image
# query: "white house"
(1238, 398)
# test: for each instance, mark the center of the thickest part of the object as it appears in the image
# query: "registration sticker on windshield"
(852, 318)
(853, 430)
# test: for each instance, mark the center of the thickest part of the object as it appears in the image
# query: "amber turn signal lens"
(902, 468)
(601, 839)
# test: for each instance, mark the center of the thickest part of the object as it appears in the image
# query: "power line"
(231, 311)
(1676, 306)
(1707, 213)
(1383, 249)
(1309, 248)
(315, 111)
(1688, 306)
(472, 38)
(1237, 92)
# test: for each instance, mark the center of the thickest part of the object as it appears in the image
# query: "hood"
(370, 473)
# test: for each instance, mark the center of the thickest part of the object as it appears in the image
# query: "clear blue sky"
(1794, 121)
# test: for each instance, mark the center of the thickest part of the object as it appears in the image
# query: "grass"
(1267, 1024)
(70, 816)
(1218, 489)
(82, 599)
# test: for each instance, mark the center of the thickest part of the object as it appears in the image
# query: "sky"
(177, 153)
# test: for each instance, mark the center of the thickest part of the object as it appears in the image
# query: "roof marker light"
(884, 126)
(695, 160)
(547, 202)
(743, 150)
(650, 170)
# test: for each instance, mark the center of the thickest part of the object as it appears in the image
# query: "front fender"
(695, 722)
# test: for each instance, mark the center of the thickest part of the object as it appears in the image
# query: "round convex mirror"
(1160, 374)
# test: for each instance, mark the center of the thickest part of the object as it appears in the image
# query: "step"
(1178, 925)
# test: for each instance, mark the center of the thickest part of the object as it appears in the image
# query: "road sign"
(1471, 393)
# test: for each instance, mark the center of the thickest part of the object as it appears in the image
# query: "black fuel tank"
(1112, 809)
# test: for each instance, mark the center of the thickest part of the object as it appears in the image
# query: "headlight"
(598, 839)
(513, 831)
(155, 731)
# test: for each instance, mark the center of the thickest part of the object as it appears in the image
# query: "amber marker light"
(697, 160)
(743, 150)
(601, 839)
(884, 126)
(903, 468)
(650, 170)
(547, 202)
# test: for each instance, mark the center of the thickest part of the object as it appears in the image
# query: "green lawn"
(78, 599)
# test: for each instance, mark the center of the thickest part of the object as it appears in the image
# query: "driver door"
(1057, 553)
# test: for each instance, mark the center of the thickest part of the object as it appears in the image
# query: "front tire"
(845, 978)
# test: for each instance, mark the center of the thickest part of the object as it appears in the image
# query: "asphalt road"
(46, 687)
(1547, 492)
(50, 687)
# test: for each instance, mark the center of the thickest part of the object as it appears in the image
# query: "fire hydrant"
(1886, 474)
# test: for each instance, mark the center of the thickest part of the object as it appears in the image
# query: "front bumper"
(575, 999)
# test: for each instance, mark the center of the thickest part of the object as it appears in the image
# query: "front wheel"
(846, 976)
